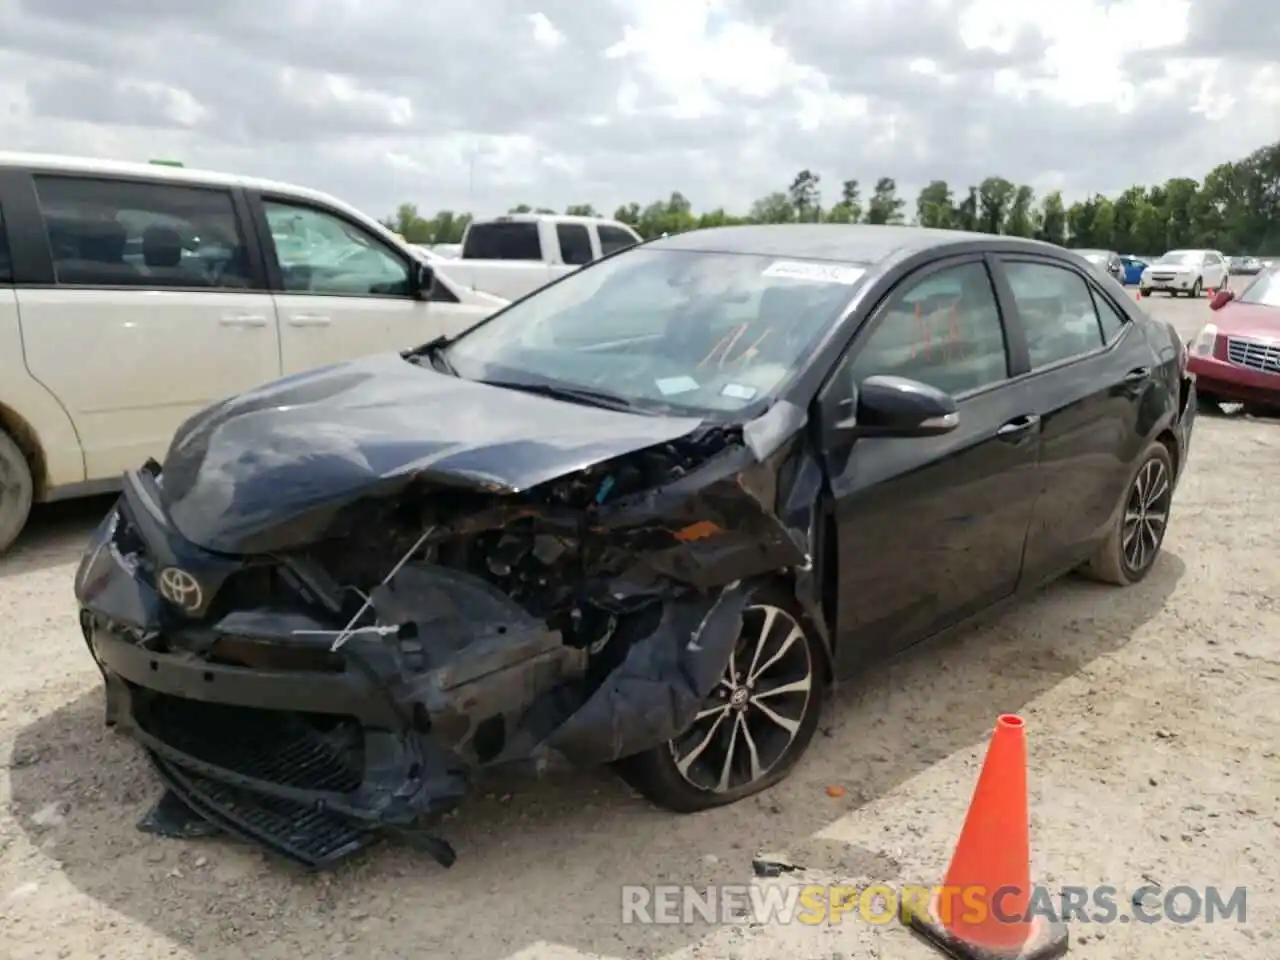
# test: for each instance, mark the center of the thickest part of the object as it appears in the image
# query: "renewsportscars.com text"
(815, 904)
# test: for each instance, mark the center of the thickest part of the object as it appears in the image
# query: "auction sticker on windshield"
(813, 272)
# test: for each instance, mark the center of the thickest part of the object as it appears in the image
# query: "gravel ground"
(1152, 717)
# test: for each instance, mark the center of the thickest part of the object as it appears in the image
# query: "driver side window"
(322, 253)
(944, 330)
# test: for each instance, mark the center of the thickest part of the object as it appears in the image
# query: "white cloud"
(545, 33)
(559, 102)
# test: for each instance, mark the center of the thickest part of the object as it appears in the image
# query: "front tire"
(1207, 403)
(756, 724)
(16, 491)
(1134, 543)
(1196, 289)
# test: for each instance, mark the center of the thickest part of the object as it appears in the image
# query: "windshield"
(697, 332)
(1264, 291)
(1180, 257)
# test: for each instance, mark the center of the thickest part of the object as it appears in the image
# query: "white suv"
(1189, 272)
(134, 295)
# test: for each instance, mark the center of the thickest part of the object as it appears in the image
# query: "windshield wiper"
(594, 398)
(433, 352)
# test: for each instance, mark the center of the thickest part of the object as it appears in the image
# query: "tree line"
(1235, 208)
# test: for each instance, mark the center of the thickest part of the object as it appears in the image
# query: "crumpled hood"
(239, 472)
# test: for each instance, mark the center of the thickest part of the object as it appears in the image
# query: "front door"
(931, 530)
(342, 292)
(1089, 371)
(154, 312)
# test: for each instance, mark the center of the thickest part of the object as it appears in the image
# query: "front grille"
(1162, 277)
(302, 833)
(271, 745)
(1254, 354)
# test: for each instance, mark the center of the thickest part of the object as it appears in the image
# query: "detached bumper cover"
(316, 754)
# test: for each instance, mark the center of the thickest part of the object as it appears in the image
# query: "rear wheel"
(1145, 291)
(1135, 541)
(16, 490)
(755, 725)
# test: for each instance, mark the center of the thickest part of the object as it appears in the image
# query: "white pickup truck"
(511, 256)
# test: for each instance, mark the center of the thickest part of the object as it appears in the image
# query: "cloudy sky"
(483, 104)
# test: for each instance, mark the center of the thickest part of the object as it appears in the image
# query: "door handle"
(1138, 375)
(308, 320)
(243, 320)
(1017, 428)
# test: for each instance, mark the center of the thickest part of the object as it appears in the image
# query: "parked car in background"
(513, 255)
(1108, 261)
(644, 515)
(1236, 355)
(1132, 268)
(134, 295)
(1185, 272)
(1245, 266)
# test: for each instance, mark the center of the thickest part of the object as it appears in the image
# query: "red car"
(1236, 356)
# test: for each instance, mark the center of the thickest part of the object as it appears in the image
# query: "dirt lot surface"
(1153, 721)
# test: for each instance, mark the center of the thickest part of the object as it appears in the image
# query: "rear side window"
(6, 264)
(1109, 318)
(612, 240)
(575, 243)
(1057, 311)
(502, 241)
(113, 233)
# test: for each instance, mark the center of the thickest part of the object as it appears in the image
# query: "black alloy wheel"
(753, 727)
(1131, 550)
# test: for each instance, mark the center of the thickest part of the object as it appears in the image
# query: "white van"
(134, 295)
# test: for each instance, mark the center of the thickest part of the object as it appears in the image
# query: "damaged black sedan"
(643, 517)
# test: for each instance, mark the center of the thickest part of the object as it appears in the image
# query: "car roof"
(848, 243)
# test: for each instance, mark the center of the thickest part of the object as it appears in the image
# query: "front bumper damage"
(275, 723)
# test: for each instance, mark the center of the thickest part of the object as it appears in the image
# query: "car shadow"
(545, 861)
(56, 534)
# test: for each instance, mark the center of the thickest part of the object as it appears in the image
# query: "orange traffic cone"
(981, 913)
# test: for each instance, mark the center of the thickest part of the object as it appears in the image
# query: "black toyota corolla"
(643, 516)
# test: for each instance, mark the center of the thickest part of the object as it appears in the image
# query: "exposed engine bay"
(316, 698)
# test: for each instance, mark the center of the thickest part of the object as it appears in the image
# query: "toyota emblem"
(181, 589)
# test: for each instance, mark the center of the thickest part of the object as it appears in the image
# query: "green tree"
(849, 209)
(885, 206)
(995, 194)
(1234, 208)
(805, 196)
(1021, 218)
(935, 206)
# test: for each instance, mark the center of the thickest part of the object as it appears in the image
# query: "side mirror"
(1221, 299)
(898, 407)
(424, 277)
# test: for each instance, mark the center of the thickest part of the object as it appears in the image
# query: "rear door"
(341, 291)
(140, 306)
(1090, 369)
(931, 530)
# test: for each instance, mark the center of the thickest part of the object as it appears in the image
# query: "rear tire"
(712, 764)
(1135, 540)
(16, 491)
(1145, 291)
